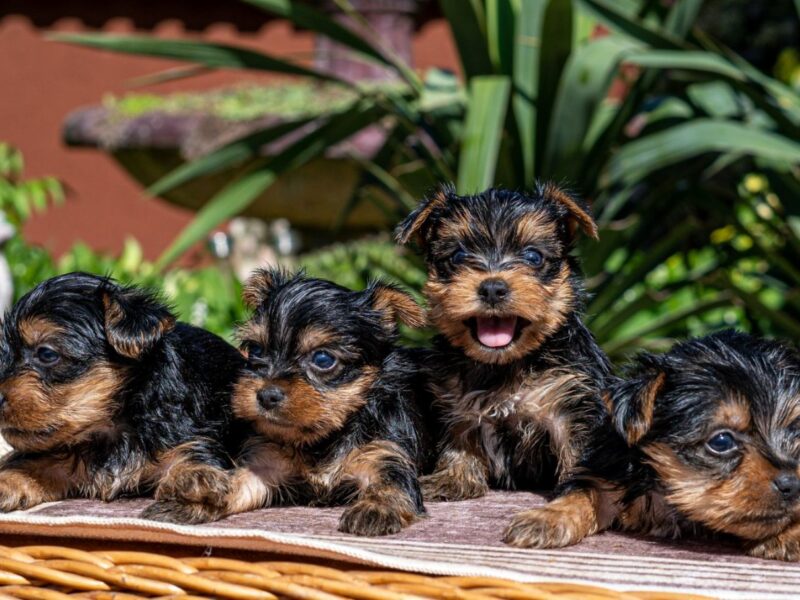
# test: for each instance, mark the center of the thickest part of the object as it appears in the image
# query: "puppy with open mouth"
(517, 375)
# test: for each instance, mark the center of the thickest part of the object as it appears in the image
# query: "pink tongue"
(496, 332)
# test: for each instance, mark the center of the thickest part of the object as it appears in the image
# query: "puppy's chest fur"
(523, 425)
(299, 476)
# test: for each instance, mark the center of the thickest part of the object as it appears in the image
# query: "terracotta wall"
(42, 81)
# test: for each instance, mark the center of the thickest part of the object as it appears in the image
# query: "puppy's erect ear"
(395, 305)
(579, 214)
(135, 321)
(416, 225)
(259, 285)
(632, 404)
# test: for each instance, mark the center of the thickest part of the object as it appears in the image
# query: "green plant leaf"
(555, 50)
(211, 55)
(467, 21)
(637, 270)
(608, 126)
(685, 59)
(486, 113)
(583, 89)
(526, 81)
(790, 325)
(240, 193)
(609, 13)
(389, 182)
(231, 154)
(500, 20)
(169, 75)
(543, 43)
(641, 157)
(633, 341)
(682, 17)
(228, 202)
(409, 119)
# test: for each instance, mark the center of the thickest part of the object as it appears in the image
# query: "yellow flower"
(755, 183)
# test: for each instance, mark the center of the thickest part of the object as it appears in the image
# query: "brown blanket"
(461, 538)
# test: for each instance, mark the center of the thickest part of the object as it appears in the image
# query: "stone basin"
(312, 197)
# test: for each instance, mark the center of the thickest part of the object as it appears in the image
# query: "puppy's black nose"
(270, 397)
(2, 401)
(788, 484)
(493, 291)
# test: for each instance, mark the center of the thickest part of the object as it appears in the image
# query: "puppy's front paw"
(450, 485)
(777, 548)
(18, 492)
(544, 528)
(170, 511)
(370, 519)
(194, 484)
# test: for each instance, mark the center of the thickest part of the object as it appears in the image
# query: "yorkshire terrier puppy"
(709, 443)
(516, 376)
(103, 394)
(333, 402)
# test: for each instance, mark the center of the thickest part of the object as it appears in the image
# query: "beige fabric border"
(739, 581)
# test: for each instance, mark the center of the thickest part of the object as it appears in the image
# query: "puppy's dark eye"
(458, 257)
(254, 350)
(46, 355)
(323, 360)
(722, 442)
(533, 256)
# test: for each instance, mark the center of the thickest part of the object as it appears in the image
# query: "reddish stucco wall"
(42, 81)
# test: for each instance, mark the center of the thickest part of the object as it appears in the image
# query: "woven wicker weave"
(55, 572)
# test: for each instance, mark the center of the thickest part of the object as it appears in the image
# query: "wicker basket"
(56, 572)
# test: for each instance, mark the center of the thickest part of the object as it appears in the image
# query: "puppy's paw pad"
(168, 511)
(542, 528)
(373, 520)
(445, 487)
(777, 549)
(195, 485)
(18, 493)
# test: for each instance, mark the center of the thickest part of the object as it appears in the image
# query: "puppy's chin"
(278, 428)
(291, 423)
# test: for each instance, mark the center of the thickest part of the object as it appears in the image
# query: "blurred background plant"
(689, 154)
(209, 297)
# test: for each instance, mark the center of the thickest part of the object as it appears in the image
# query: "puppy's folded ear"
(417, 225)
(135, 321)
(395, 305)
(259, 285)
(632, 404)
(580, 217)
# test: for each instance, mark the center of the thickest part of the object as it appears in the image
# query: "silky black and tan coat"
(707, 442)
(333, 403)
(104, 394)
(516, 376)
